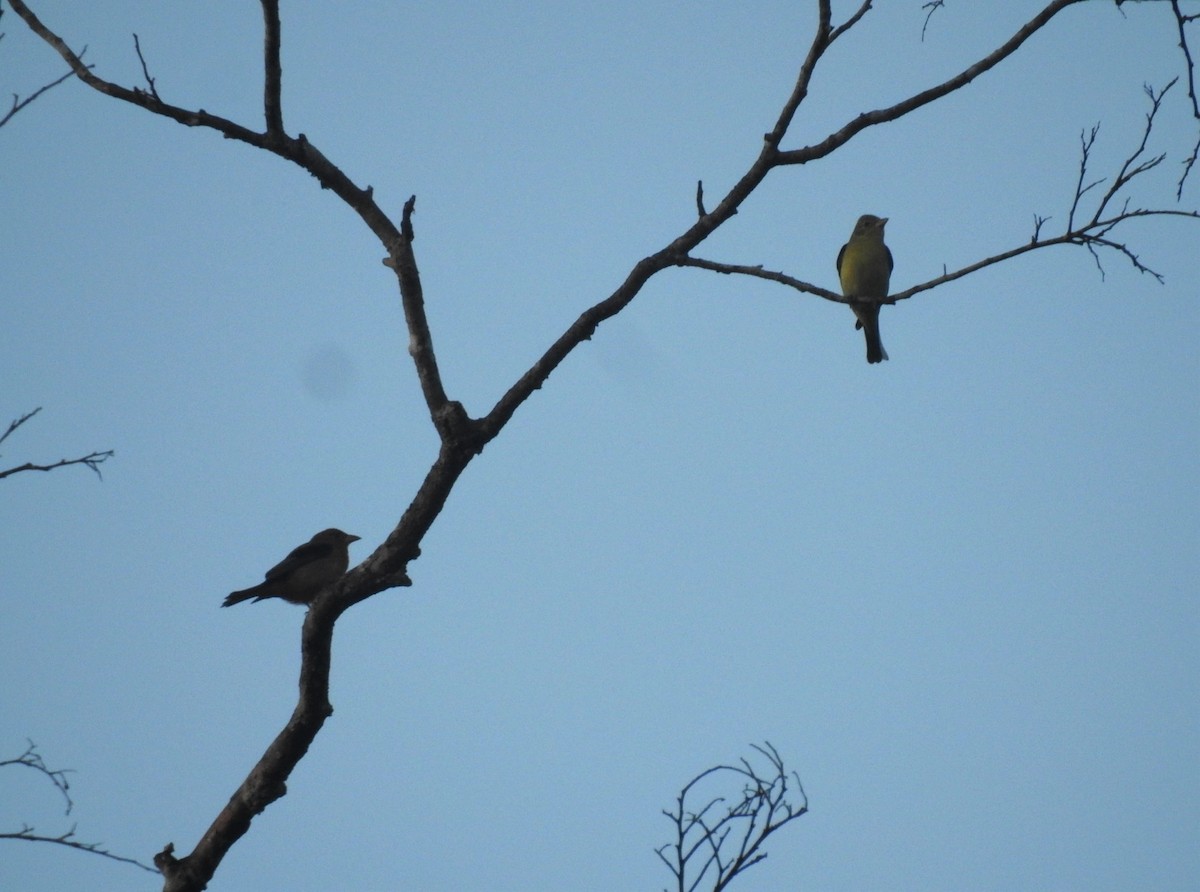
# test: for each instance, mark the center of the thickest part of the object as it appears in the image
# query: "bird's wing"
(841, 254)
(891, 265)
(305, 554)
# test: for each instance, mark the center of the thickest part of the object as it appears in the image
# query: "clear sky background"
(957, 591)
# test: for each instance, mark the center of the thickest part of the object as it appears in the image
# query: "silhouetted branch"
(299, 151)
(13, 425)
(758, 272)
(931, 7)
(272, 69)
(92, 460)
(30, 834)
(461, 437)
(137, 46)
(1094, 233)
(1181, 23)
(31, 758)
(18, 103)
(900, 109)
(761, 808)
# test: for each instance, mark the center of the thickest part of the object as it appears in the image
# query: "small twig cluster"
(1111, 210)
(92, 460)
(31, 758)
(726, 836)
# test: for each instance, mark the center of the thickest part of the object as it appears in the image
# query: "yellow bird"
(864, 267)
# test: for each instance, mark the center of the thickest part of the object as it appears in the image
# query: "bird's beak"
(882, 222)
(350, 538)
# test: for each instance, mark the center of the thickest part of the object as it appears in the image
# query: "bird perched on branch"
(865, 267)
(300, 576)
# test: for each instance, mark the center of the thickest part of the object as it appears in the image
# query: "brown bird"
(300, 576)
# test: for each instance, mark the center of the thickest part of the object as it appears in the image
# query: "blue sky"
(957, 591)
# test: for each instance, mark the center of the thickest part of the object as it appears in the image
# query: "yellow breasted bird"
(865, 268)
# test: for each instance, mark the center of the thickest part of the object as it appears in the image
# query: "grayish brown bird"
(300, 576)
(865, 269)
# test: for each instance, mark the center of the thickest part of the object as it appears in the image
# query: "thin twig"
(92, 460)
(1181, 23)
(18, 103)
(1094, 234)
(932, 6)
(137, 46)
(16, 423)
(30, 834)
(31, 758)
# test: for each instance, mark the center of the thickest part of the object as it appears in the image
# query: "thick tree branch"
(900, 109)
(18, 103)
(1094, 233)
(677, 253)
(301, 152)
(585, 326)
(266, 782)
(273, 70)
(462, 438)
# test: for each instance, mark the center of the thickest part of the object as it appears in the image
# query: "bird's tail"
(869, 323)
(238, 597)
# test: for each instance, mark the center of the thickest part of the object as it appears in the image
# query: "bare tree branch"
(700, 839)
(16, 423)
(18, 103)
(1181, 23)
(960, 80)
(31, 758)
(677, 252)
(30, 834)
(1093, 234)
(273, 71)
(137, 47)
(463, 437)
(92, 460)
(931, 7)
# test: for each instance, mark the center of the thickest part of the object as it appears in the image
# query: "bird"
(300, 576)
(864, 267)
